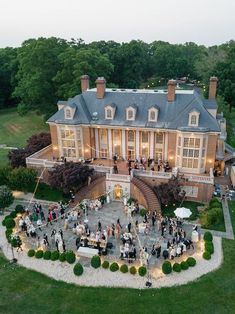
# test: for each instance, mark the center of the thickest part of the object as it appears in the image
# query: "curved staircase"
(150, 197)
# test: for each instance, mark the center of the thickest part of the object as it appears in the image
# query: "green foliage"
(6, 197)
(39, 254)
(8, 234)
(19, 209)
(206, 255)
(62, 257)
(4, 175)
(142, 271)
(208, 236)
(133, 270)
(114, 267)
(15, 241)
(95, 261)
(10, 223)
(214, 202)
(22, 179)
(22, 109)
(46, 192)
(184, 265)
(105, 264)
(169, 193)
(70, 257)
(47, 255)
(31, 253)
(13, 214)
(55, 255)
(130, 201)
(143, 211)
(209, 247)
(78, 269)
(191, 261)
(177, 268)
(166, 267)
(124, 268)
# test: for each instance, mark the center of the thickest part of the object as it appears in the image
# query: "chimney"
(212, 87)
(100, 87)
(84, 83)
(171, 90)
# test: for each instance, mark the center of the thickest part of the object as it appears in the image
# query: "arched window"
(130, 114)
(108, 114)
(152, 115)
(68, 114)
(131, 136)
(193, 120)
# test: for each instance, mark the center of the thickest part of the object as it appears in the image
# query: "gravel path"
(102, 277)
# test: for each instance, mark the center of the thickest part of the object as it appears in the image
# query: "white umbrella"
(182, 212)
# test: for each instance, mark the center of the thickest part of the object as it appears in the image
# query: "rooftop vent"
(114, 89)
(123, 90)
(134, 90)
(95, 116)
(156, 91)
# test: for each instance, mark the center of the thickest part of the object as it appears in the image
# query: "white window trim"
(106, 111)
(193, 113)
(149, 115)
(133, 111)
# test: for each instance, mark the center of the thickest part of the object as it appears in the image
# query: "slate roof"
(171, 115)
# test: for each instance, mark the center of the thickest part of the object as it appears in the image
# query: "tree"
(169, 193)
(69, 176)
(17, 157)
(4, 175)
(22, 179)
(6, 197)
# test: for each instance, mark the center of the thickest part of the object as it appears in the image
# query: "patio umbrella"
(182, 212)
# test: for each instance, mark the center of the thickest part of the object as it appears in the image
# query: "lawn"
(169, 210)
(232, 213)
(45, 192)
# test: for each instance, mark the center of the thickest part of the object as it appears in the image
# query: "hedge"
(184, 265)
(78, 269)
(55, 256)
(95, 261)
(70, 257)
(142, 271)
(209, 247)
(208, 236)
(19, 209)
(143, 211)
(62, 257)
(105, 264)
(206, 255)
(10, 223)
(124, 268)
(191, 261)
(177, 268)
(8, 234)
(13, 214)
(133, 270)
(47, 255)
(31, 253)
(114, 267)
(39, 254)
(166, 267)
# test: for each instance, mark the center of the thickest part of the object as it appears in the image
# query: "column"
(165, 146)
(124, 144)
(97, 143)
(137, 144)
(110, 143)
(151, 144)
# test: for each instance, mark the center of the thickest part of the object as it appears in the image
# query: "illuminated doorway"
(117, 193)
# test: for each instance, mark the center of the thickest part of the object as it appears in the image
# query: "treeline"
(43, 70)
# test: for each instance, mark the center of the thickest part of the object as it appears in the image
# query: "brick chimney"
(171, 90)
(100, 87)
(84, 83)
(212, 87)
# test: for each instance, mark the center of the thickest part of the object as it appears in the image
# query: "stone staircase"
(150, 197)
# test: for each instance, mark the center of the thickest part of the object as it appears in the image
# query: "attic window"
(194, 118)
(109, 112)
(152, 114)
(68, 114)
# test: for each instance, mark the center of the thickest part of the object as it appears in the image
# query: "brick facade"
(171, 148)
(211, 151)
(138, 195)
(54, 140)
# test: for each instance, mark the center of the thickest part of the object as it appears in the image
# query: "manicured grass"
(45, 192)
(32, 292)
(169, 210)
(232, 213)
(4, 157)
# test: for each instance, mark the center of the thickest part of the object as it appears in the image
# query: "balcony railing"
(118, 177)
(152, 174)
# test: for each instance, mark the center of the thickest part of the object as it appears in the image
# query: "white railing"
(104, 169)
(43, 150)
(152, 174)
(118, 177)
(200, 179)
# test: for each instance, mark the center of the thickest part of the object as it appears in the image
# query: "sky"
(206, 22)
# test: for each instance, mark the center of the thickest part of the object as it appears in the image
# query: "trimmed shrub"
(124, 268)
(214, 202)
(130, 201)
(55, 256)
(209, 247)
(95, 261)
(47, 255)
(39, 254)
(191, 261)
(166, 267)
(208, 236)
(13, 214)
(70, 257)
(19, 209)
(105, 264)
(143, 211)
(62, 257)
(78, 269)
(8, 233)
(114, 267)
(177, 268)
(142, 271)
(184, 265)
(206, 255)
(10, 223)
(31, 253)
(133, 270)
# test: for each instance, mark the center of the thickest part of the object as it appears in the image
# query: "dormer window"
(130, 113)
(152, 114)
(68, 114)
(69, 111)
(109, 112)
(194, 118)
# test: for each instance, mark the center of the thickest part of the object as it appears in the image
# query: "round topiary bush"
(78, 269)
(95, 261)
(10, 223)
(208, 236)
(166, 267)
(70, 257)
(105, 264)
(62, 257)
(13, 214)
(206, 255)
(209, 247)
(47, 255)
(39, 254)
(8, 233)
(133, 270)
(19, 209)
(55, 256)
(124, 268)
(184, 265)
(176, 267)
(191, 261)
(114, 267)
(143, 211)
(142, 271)
(31, 253)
